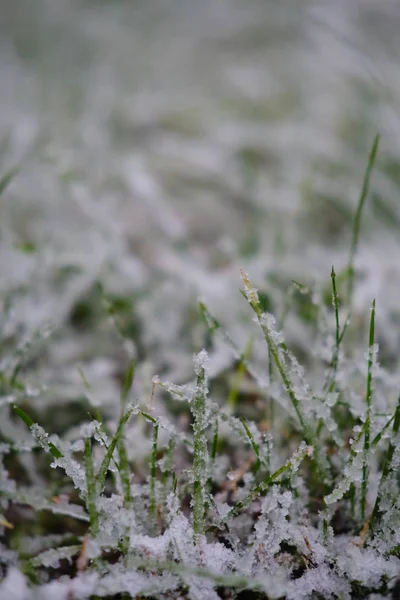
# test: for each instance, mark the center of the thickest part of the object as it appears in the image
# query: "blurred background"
(163, 145)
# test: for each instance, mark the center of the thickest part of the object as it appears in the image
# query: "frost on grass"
(191, 495)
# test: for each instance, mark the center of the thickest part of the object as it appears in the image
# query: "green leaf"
(23, 416)
(101, 477)
(29, 422)
(148, 417)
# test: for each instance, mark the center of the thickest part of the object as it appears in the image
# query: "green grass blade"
(264, 485)
(379, 436)
(335, 301)
(153, 474)
(55, 452)
(331, 382)
(124, 468)
(358, 215)
(23, 416)
(198, 408)
(256, 492)
(211, 321)
(367, 433)
(214, 448)
(91, 488)
(252, 298)
(167, 470)
(346, 483)
(253, 443)
(125, 472)
(148, 417)
(174, 482)
(101, 477)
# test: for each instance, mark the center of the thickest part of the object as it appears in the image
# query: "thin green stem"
(367, 432)
(153, 473)
(101, 477)
(125, 472)
(54, 451)
(91, 488)
(215, 442)
(330, 383)
(358, 215)
(167, 470)
(264, 485)
(124, 468)
(198, 406)
(253, 443)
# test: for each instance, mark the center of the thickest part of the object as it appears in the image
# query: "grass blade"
(153, 473)
(291, 465)
(125, 472)
(101, 477)
(367, 432)
(91, 487)
(379, 435)
(55, 452)
(124, 469)
(198, 408)
(215, 442)
(252, 298)
(253, 443)
(357, 219)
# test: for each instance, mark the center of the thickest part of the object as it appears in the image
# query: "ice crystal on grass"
(268, 320)
(321, 581)
(74, 470)
(261, 472)
(41, 436)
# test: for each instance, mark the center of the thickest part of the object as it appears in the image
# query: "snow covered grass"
(163, 435)
(179, 494)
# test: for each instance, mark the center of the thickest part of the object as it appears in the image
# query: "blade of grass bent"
(55, 452)
(252, 298)
(264, 485)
